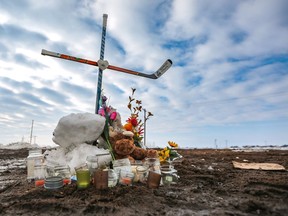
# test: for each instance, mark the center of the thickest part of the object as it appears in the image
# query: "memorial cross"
(103, 64)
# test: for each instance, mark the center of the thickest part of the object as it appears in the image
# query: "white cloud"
(230, 65)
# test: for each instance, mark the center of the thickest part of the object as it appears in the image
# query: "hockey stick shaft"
(167, 64)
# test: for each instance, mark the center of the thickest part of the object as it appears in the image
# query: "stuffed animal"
(124, 147)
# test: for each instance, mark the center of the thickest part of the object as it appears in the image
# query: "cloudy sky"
(227, 85)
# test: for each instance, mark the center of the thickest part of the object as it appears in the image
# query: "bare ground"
(208, 185)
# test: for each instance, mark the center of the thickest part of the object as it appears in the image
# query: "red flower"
(133, 121)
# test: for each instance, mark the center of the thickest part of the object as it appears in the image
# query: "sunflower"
(173, 144)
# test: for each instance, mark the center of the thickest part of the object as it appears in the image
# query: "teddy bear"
(123, 146)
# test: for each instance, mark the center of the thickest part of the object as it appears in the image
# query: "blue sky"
(228, 82)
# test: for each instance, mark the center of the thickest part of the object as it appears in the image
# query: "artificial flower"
(134, 124)
(169, 153)
(128, 127)
(113, 116)
(133, 121)
(173, 144)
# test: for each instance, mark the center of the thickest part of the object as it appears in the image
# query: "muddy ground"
(208, 185)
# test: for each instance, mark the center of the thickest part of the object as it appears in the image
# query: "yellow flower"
(173, 144)
(167, 153)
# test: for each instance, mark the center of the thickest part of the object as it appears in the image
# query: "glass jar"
(126, 177)
(104, 159)
(64, 172)
(83, 176)
(35, 158)
(142, 173)
(92, 163)
(112, 178)
(153, 164)
(39, 175)
(169, 175)
(122, 165)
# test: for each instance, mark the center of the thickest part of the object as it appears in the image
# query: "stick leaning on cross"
(103, 64)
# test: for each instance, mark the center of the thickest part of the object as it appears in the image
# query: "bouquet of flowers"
(133, 123)
(169, 153)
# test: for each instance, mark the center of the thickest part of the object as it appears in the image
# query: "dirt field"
(208, 185)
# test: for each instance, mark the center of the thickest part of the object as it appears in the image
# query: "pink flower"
(101, 112)
(113, 116)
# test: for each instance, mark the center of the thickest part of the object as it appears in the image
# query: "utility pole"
(144, 127)
(31, 132)
(215, 142)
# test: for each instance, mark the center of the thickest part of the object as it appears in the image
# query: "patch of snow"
(78, 128)
(19, 145)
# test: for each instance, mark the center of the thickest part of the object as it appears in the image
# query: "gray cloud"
(54, 96)
(76, 90)
(20, 35)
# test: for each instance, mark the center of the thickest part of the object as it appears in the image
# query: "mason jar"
(142, 173)
(169, 175)
(123, 165)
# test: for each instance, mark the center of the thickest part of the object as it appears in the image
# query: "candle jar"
(153, 164)
(83, 176)
(112, 178)
(153, 180)
(122, 165)
(39, 175)
(101, 179)
(142, 173)
(126, 177)
(64, 172)
(169, 175)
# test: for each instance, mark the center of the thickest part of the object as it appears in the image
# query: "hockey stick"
(167, 64)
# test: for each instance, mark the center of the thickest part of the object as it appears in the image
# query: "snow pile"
(78, 128)
(72, 134)
(77, 156)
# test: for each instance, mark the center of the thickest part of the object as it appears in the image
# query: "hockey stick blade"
(167, 64)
